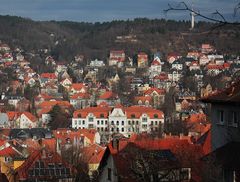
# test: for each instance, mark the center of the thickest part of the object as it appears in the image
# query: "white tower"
(193, 20)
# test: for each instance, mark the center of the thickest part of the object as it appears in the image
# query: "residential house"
(173, 57)
(174, 75)
(125, 159)
(157, 95)
(117, 58)
(80, 100)
(203, 60)
(108, 97)
(194, 66)
(78, 88)
(44, 165)
(156, 67)
(28, 120)
(207, 48)
(97, 63)
(66, 83)
(142, 60)
(177, 65)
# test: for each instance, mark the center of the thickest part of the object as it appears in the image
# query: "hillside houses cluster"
(108, 115)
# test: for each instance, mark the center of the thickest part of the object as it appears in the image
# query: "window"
(90, 119)
(122, 129)
(221, 116)
(129, 122)
(233, 118)
(105, 121)
(133, 116)
(112, 122)
(97, 121)
(79, 122)
(83, 122)
(117, 129)
(101, 121)
(117, 122)
(101, 115)
(155, 116)
(156, 122)
(122, 122)
(144, 119)
(109, 174)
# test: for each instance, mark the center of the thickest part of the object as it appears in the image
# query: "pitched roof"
(108, 95)
(78, 86)
(53, 103)
(93, 154)
(30, 116)
(153, 89)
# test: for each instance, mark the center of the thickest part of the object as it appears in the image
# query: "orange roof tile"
(157, 90)
(78, 86)
(108, 95)
(81, 96)
(49, 75)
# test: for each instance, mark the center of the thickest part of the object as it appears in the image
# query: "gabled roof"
(53, 103)
(93, 154)
(157, 90)
(44, 156)
(30, 116)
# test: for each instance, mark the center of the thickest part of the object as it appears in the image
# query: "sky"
(108, 10)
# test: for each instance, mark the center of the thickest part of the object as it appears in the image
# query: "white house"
(177, 65)
(27, 120)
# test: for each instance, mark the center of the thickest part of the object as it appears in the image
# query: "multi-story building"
(225, 130)
(142, 60)
(117, 58)
(124, 120)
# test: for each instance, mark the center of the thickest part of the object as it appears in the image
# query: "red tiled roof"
(9, 151)
(30, 116)
(65, 134)
(97, 111)
(137, 111)
(49, 75)
(47, 104)
(93, 154)
(81, 96)
(151, 90)
(215, 67)
(143, 98)
(78, 86)
(22, 171)
(108, 95)
(13, 115)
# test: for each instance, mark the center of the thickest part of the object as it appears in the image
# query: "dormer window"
(155, 116)
(133, 116)
(101, 115)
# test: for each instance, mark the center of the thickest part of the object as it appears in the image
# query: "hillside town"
(150, 117)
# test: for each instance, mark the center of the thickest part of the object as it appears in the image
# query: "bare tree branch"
(182, 6)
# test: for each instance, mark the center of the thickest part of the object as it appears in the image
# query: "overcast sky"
(107, 10)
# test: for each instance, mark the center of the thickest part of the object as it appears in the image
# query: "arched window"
(155, 115)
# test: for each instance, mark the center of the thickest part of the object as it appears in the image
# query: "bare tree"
(217, 18)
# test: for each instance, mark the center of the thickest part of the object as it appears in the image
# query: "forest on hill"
(65, 39)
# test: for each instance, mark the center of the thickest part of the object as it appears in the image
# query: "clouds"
(105, 10)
